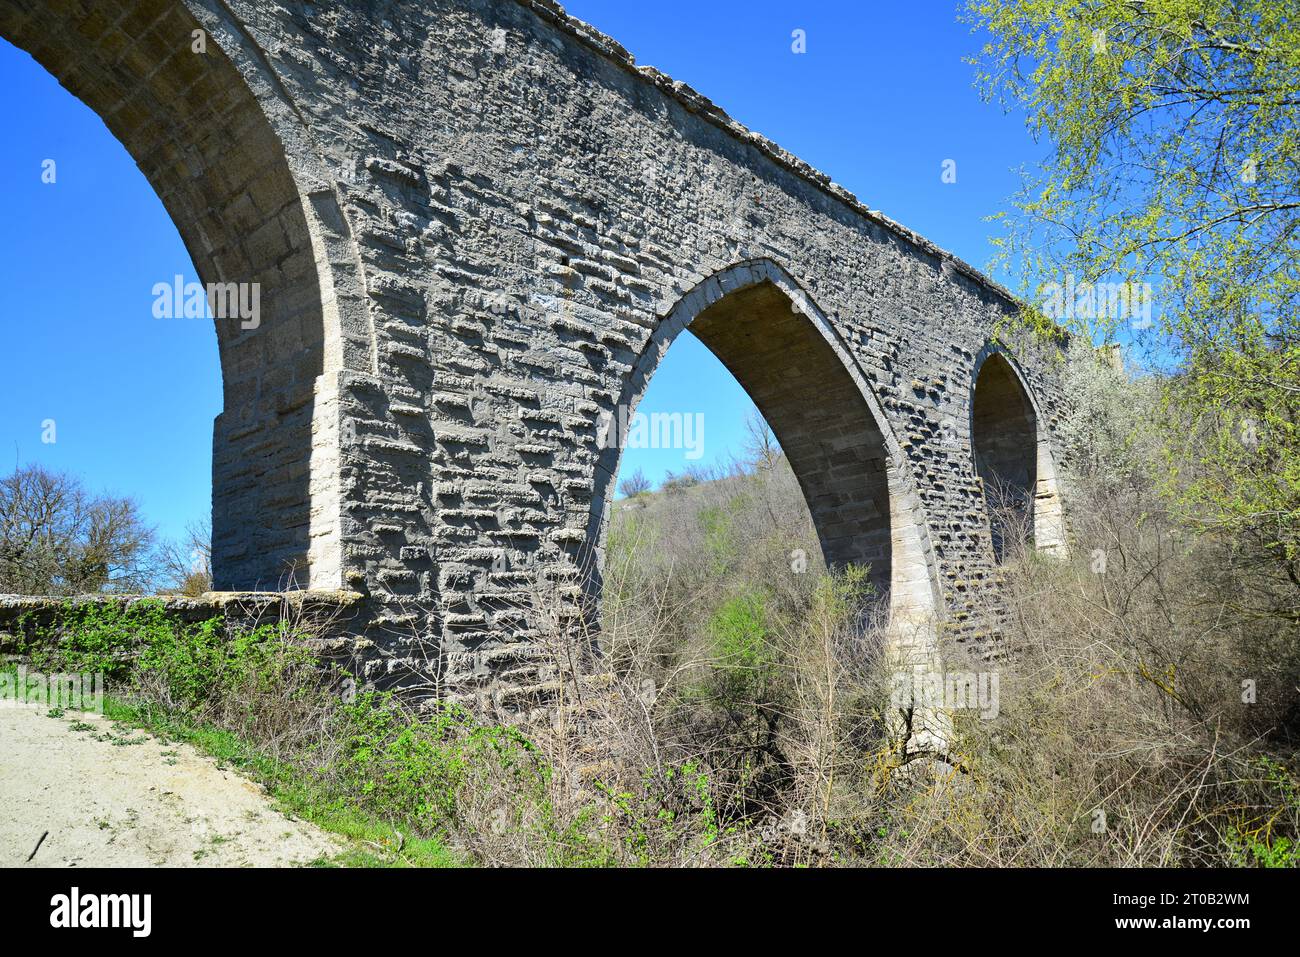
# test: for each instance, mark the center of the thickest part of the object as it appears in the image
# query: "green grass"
(375, 842)
(377, 798)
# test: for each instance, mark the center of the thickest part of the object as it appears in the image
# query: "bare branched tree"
(56, 538)
(185, 565)
(634, 484)
(760, 444)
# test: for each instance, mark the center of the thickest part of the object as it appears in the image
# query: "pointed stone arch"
(1012, 455)
(786, 355)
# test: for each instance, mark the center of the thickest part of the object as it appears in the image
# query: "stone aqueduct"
(477, 226)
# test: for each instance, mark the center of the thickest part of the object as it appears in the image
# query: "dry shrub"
(735, 706)
(1147, 688)
(1123, 738)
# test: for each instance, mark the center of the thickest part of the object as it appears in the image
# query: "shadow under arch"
(215, 153)
(786, 355)
(1012, 456)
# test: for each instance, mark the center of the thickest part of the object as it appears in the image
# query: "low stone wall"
(336, 620)
(341, 628)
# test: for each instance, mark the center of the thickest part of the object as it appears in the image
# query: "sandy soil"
(110, 796)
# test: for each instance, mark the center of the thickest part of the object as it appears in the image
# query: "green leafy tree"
(1173, 136)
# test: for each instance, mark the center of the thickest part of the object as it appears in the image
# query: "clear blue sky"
(879, 100)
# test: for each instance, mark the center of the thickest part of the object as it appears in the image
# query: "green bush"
(429, 774)
(1257, 842)
(418, 766)
(95, 638)
(186, 665)
(740, 631)
(199, 663)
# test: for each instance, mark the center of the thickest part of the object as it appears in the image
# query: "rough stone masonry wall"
(501, 209)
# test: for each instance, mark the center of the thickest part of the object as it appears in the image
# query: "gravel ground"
(110, 796)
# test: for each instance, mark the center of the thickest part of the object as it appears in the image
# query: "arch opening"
(785, 355)
(208, 147)
(810, 402)
(1013, 460)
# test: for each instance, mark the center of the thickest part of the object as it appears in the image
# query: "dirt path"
(110, 796)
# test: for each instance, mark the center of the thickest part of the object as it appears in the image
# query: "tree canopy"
(1172, 130)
